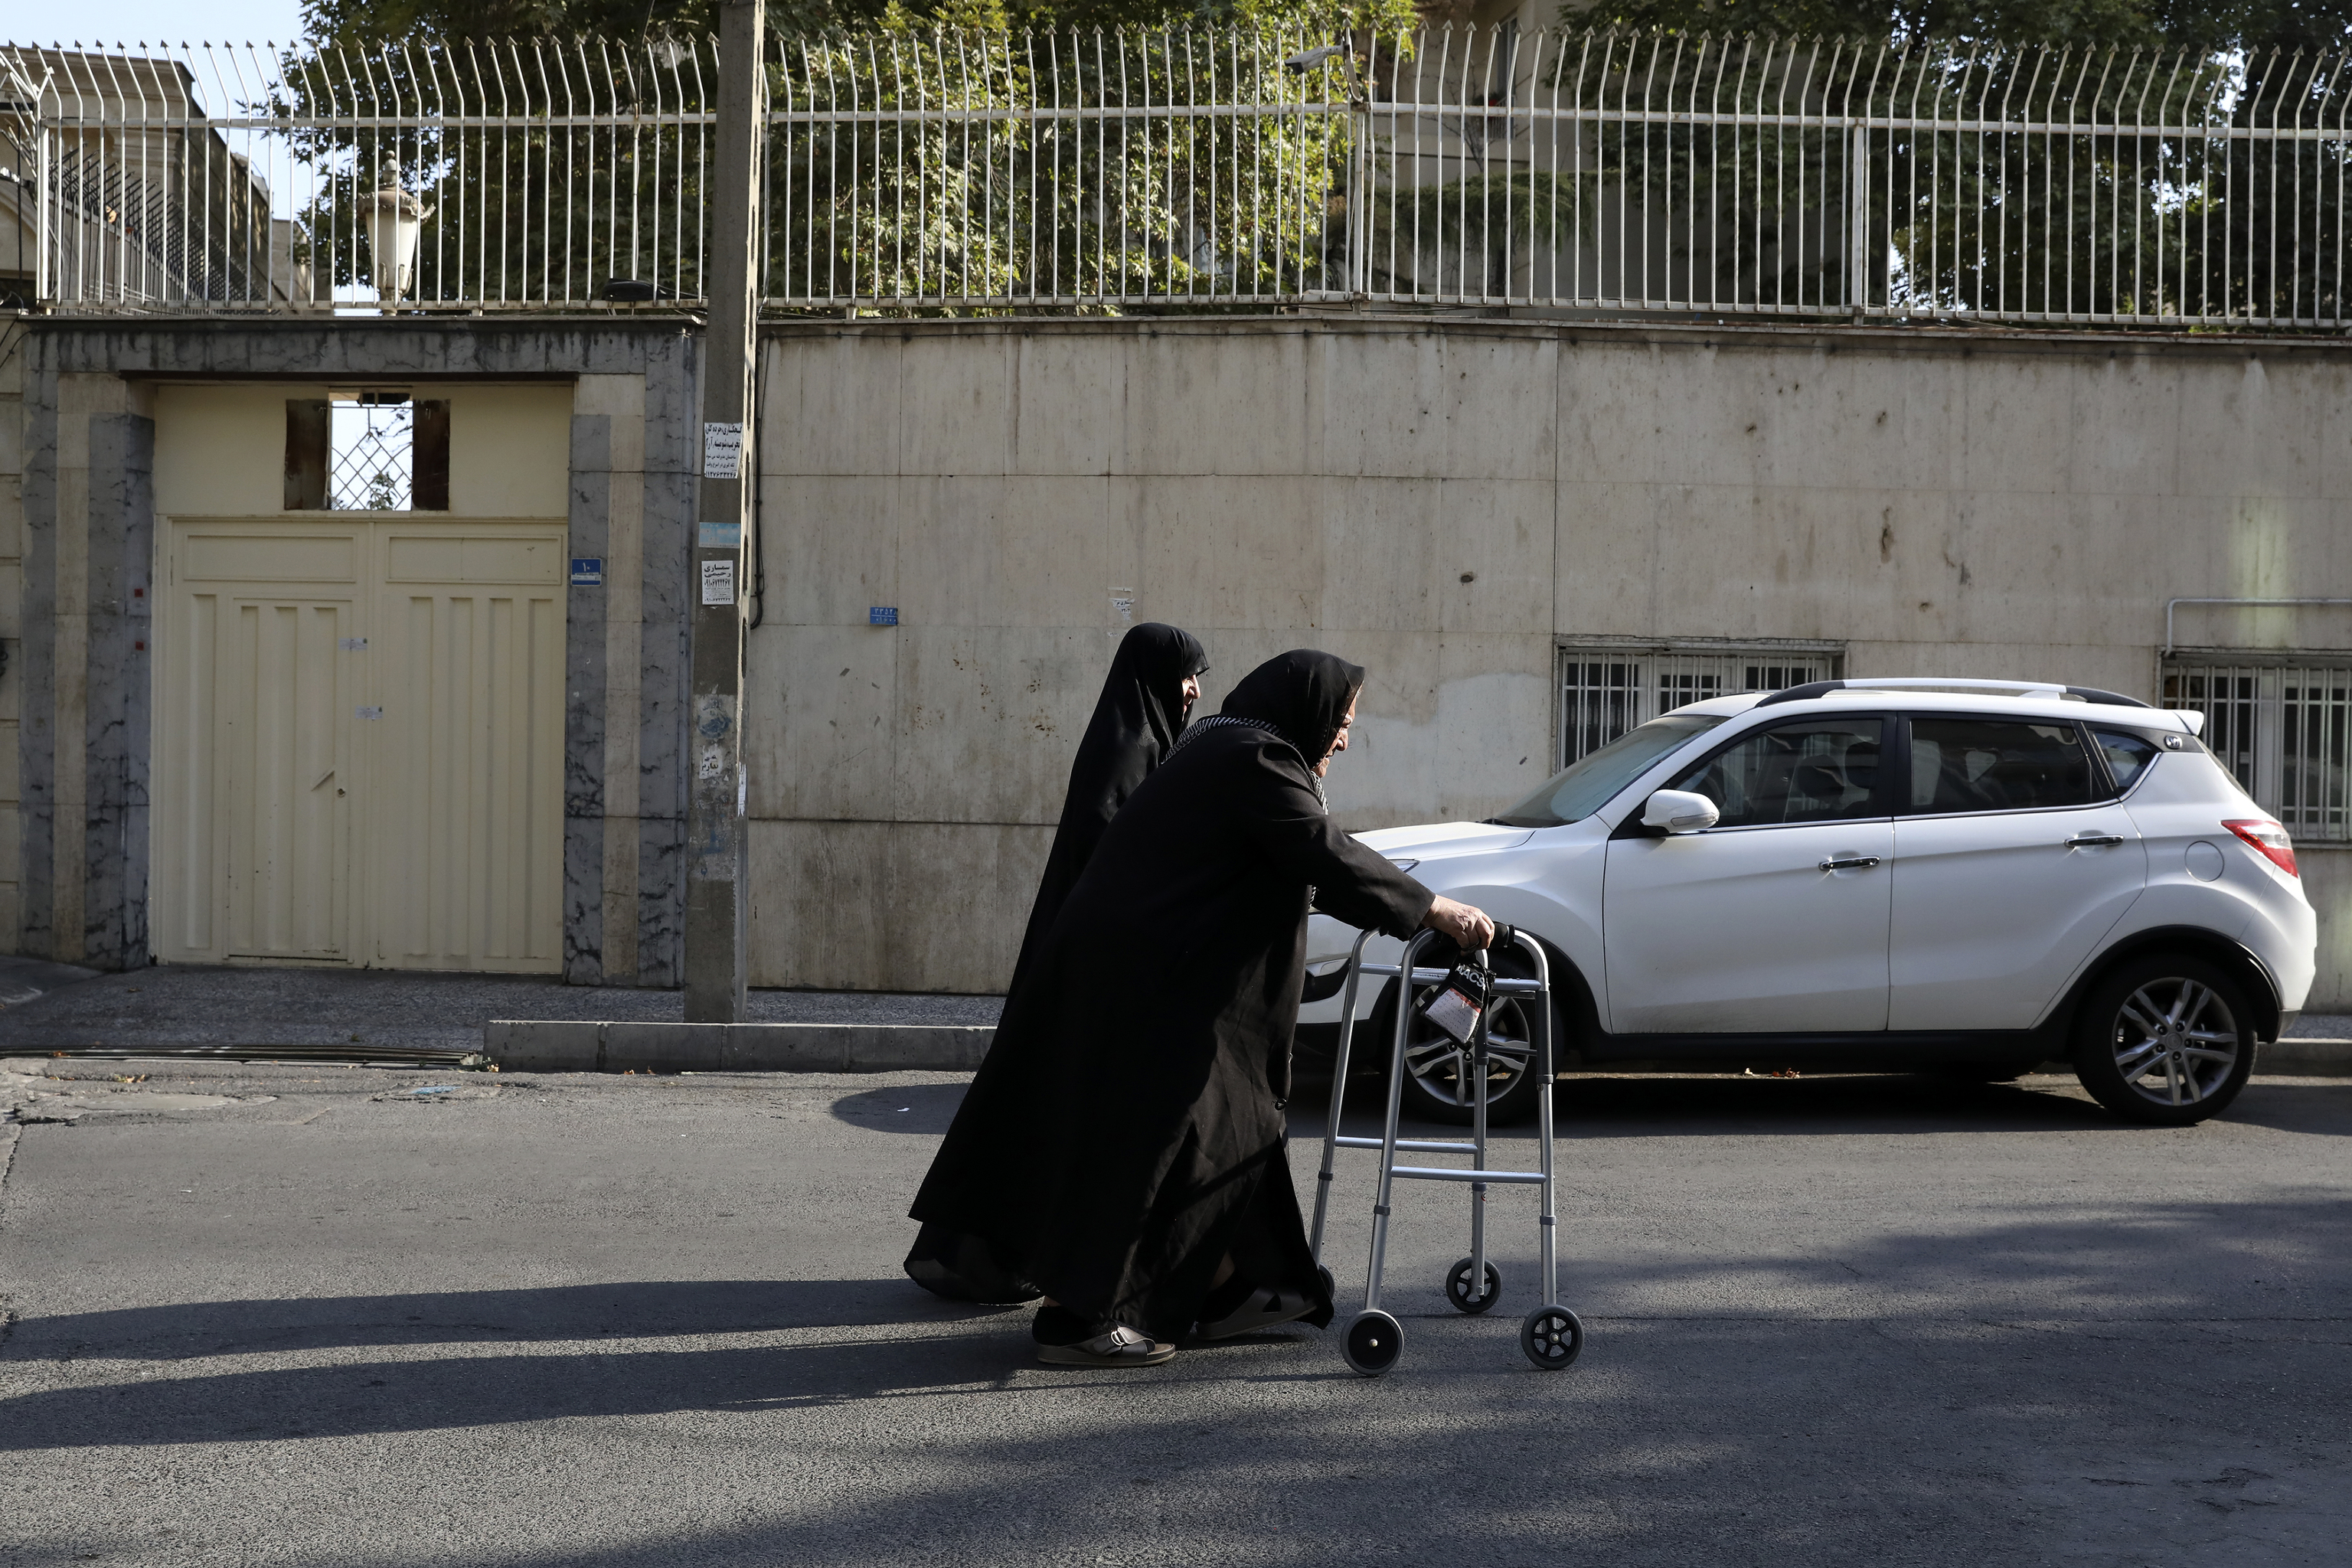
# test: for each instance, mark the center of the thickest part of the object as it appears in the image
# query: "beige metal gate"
(360, 743)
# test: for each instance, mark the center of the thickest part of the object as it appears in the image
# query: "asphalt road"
(654, 1321)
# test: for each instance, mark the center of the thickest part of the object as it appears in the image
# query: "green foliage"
(2131, 24)
(1039, 171)
(2148, 206)
(358, 22)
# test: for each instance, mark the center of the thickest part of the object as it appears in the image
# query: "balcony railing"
(1587, 173)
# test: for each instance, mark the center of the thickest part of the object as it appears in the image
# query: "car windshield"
(1590, 783)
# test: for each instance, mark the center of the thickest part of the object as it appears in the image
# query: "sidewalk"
(370, 1015)
(391, 1014)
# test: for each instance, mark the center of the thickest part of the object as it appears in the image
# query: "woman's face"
(1192, 690)
(1340, 741)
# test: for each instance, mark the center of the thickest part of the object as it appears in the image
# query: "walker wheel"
(1457, 1288)
(1551, 1336)
(1373, 1343)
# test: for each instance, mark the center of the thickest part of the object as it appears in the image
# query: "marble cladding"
(36, 670)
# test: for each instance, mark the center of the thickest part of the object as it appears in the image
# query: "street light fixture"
(395, 218)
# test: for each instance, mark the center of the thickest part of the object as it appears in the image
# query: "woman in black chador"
(1154, 678)
(1122, 1147)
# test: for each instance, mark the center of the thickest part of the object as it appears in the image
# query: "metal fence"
(1455, 167)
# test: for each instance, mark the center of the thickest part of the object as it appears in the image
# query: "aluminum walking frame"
(1550, 1335)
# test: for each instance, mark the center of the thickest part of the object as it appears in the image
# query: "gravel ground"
(302, 1315)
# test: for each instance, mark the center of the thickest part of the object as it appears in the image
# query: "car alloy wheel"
(1440, 1070)
(2175, 1041)
(2165, 1039)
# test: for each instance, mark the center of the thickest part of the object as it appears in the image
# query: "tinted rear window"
(2127, 755)
(1997, 764)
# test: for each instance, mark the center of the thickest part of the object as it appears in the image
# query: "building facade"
(256, 711)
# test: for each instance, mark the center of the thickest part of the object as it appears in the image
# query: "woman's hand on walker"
(1469, 929)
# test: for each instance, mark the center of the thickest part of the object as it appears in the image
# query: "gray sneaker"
(1261, 1309)
(1119, 1347)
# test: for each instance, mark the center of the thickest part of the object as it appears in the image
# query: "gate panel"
(255, 705)
(286, 721)
(470, 846)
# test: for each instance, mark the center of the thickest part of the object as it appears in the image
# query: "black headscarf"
(1137, 722)
(1302, 695)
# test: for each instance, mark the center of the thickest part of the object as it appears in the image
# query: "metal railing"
(1481, 167)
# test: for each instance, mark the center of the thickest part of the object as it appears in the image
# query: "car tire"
(1433, 1087)
(2166, 1040)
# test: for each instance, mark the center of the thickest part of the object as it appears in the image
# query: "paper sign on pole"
(718, 581)
(722, 451)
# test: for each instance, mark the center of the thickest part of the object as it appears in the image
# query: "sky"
(152, 21)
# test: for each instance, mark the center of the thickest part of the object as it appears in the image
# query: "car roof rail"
(1813, 689)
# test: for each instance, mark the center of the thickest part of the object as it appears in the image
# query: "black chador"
(1125, 1133)
(1138, 718)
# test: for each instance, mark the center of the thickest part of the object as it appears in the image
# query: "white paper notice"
(718, 581)
(722, 453)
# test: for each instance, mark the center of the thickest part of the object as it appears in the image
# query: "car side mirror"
(1679, 811)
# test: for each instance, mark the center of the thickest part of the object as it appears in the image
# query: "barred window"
(1605, 692)
(2283, 724)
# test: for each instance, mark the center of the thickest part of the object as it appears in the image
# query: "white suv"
(1964, 877)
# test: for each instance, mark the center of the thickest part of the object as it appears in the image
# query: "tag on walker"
(1457, 1002)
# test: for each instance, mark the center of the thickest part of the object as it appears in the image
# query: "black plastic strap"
(1547, 1219)
(1381, 1209)
(1322, 1175)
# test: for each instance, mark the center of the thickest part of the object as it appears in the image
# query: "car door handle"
(2093, 840)
(1849, 862)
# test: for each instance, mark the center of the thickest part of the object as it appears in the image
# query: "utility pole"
(717, 901)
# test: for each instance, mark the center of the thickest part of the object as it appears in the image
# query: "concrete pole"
(717, 901)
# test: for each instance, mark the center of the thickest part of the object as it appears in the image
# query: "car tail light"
(2270, 841)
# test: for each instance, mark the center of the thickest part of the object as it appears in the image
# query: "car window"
(1592, 782)
(2127, 755)
(1997, 764)
(1820, 770)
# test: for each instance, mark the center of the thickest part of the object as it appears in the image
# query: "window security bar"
(1593, 171)
(2283, 730)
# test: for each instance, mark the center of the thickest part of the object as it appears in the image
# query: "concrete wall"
(617, 464)
(1446, 504)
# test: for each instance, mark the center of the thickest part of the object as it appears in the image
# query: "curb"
(520, 1045)
(2306, 1059)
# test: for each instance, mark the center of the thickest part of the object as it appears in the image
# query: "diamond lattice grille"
(372, 465)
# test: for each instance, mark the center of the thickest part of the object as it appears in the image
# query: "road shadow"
(2149, 1278)
(912, 1107)
(2323, 1109)
(622, 1309)
(1708, 1105)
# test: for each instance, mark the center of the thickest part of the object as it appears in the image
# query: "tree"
(947, 186)
(2249, 25)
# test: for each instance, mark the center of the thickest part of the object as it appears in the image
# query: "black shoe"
(1222, 1316)
(1115, 1346)
(1060, 1326)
